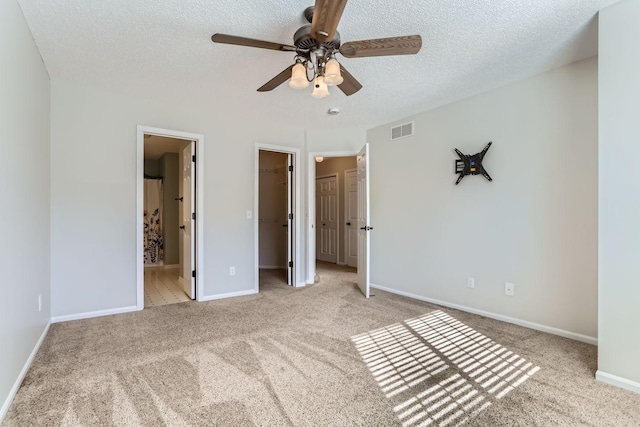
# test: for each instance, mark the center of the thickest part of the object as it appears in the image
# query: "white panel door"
(327, 219)
(351, 217)
(363, 220)
(188, 223)
(290, 223)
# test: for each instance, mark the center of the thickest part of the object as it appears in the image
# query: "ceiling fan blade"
(277, 80)
(326, 15)
(349, 85)
(404, 45)
(244, 41)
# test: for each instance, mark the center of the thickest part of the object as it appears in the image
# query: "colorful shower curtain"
(153, 249)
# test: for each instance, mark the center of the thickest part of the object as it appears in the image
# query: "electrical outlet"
(249, 215)
(471, 282)
(509, 289)
(40, 302)
(232, 271)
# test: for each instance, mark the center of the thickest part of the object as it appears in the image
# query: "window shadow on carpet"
(438, 371)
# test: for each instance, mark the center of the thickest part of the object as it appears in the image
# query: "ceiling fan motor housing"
(303, 40)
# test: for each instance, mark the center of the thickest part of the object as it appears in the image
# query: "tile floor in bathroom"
(161, 287)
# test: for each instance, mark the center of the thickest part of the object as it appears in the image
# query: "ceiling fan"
(316, 45)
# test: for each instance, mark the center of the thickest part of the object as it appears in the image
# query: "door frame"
(337, 175)
(311, 207)
(295, 153)
(199, 140)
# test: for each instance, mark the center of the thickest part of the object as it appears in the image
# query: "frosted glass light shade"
(320, 89)
(319, 159)
(332, 75)
(298, 77)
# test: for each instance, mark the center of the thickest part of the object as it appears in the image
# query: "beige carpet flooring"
(315, 356)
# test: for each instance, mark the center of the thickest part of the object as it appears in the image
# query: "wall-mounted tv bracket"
(471, 164)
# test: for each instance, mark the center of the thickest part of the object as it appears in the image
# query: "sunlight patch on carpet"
(439, 371)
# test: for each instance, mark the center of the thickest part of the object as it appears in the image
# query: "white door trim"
(199, 138)
(297, 270)
(311, 207)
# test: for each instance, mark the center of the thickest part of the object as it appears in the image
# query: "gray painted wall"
(535, 225)
(152, 168)
(619, 219)
(170, 215)
(24, 173)
(104, 206)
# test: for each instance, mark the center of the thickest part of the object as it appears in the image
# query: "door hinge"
(291, 264)
(193, 215)
(290, 216)
(193, 158)
(193, 273)
(290, 168)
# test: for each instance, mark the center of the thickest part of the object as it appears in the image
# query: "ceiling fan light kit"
(316, 45)
(299, 77)
(320, 89)
(332, 75)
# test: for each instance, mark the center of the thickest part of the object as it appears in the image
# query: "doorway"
(339, 214)
(336, 210)
(163, 241)
(276, 208)
(169, 235)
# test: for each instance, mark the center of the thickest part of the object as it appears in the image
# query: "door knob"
(182, 227)
(348, 223)
(366, 228)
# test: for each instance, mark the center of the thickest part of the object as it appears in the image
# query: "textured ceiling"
(162, 49)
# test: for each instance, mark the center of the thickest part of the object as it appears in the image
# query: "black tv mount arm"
(471, 164)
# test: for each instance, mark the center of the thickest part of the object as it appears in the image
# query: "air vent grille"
(402, 131)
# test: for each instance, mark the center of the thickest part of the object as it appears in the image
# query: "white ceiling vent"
(402, 131)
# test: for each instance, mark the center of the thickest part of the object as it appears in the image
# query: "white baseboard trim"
(310, 282)
(171, 266)
(300, 284)
(90, 314)
(618, 381)
(23, 373)
(229, 295)
(273, 267)
(341, 263)
(156, 265)
(531, 325)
